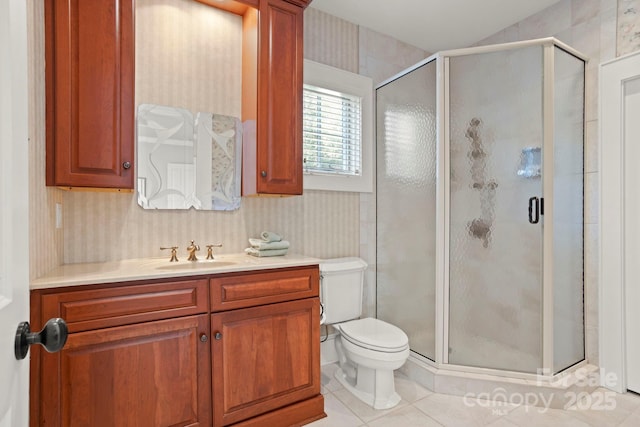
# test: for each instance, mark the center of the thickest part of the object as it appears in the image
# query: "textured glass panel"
(568, 295)
(495, 255)
(406, 200)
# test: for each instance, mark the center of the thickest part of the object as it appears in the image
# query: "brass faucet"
(192, 248)
(210, 250)
(174, 254)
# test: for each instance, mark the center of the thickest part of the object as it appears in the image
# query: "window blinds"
(331, 132)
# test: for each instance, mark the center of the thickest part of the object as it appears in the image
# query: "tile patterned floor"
(422, 408)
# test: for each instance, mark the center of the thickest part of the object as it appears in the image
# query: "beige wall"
(45, 241)
(110, 226)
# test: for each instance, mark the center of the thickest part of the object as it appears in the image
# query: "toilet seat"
(375, 334)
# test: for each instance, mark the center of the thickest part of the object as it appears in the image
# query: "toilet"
(369, 350)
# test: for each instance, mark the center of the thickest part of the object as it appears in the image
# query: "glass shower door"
(406, 206)
(495, 207)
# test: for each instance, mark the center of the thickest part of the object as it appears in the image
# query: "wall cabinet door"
(273, 162)
(264, 358)
(90, 93)
(147, 374)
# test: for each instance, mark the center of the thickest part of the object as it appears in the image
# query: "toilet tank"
(341, 288)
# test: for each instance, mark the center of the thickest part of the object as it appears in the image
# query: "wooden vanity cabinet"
(237, 349)
(137, 354)
(90, 93)
(266, 348)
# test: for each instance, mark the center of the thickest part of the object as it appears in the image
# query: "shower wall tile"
(591, 94)
(382, 56)
(591, 147)
(548, 22)
(592, 270)
(584, 10)
(591, 343)
(608, 32)
(628, 26)
(591, 199)
(509, 34)
(585, 37)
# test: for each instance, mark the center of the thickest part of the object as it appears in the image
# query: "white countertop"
(157, 268)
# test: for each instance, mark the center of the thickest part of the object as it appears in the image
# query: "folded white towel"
(272, 252)
(262, 245)
(270, 236)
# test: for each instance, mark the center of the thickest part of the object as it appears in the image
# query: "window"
(337, 134)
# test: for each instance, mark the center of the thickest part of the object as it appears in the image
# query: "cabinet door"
(148, 374)
(264, 358)
(90, 96)
(279, 132)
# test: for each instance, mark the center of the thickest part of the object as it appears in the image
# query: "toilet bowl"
(367, 360)
(368, 349)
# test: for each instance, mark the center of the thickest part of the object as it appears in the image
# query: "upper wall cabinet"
(273, 159)
(91, 99)
(90, 79)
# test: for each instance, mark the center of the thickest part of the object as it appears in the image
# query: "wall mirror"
(195, 78)
(186, 160)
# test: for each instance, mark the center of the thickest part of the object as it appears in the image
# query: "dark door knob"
(263, 174)
(52, 337)
(126, 165)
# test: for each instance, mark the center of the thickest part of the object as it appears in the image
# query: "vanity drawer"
(85, 310)
(266, 287)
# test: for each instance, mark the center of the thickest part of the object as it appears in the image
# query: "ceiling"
(434, 25)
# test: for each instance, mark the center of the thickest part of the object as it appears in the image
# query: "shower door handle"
(534, 210)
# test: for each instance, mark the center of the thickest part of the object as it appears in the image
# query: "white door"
(619, 279)
(14, 237)
(631, 136)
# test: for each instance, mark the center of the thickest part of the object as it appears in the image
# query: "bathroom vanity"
(234, 341)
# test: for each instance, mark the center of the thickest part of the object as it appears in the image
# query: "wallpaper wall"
(103, 226)
(45, 241)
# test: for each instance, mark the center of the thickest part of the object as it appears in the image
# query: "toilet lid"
(375, 334)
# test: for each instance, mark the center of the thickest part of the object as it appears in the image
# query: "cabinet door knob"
(204, 338)
(264, 174)
(126, 165)
(218, 336)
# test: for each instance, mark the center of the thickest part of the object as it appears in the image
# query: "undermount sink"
(196, 265)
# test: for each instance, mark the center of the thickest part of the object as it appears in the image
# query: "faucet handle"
(191, 249)
(174, 253)
(210, 249)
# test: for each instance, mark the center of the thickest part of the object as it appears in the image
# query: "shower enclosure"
(480, 207)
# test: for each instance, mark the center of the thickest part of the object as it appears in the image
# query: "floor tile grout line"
(348, 407)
